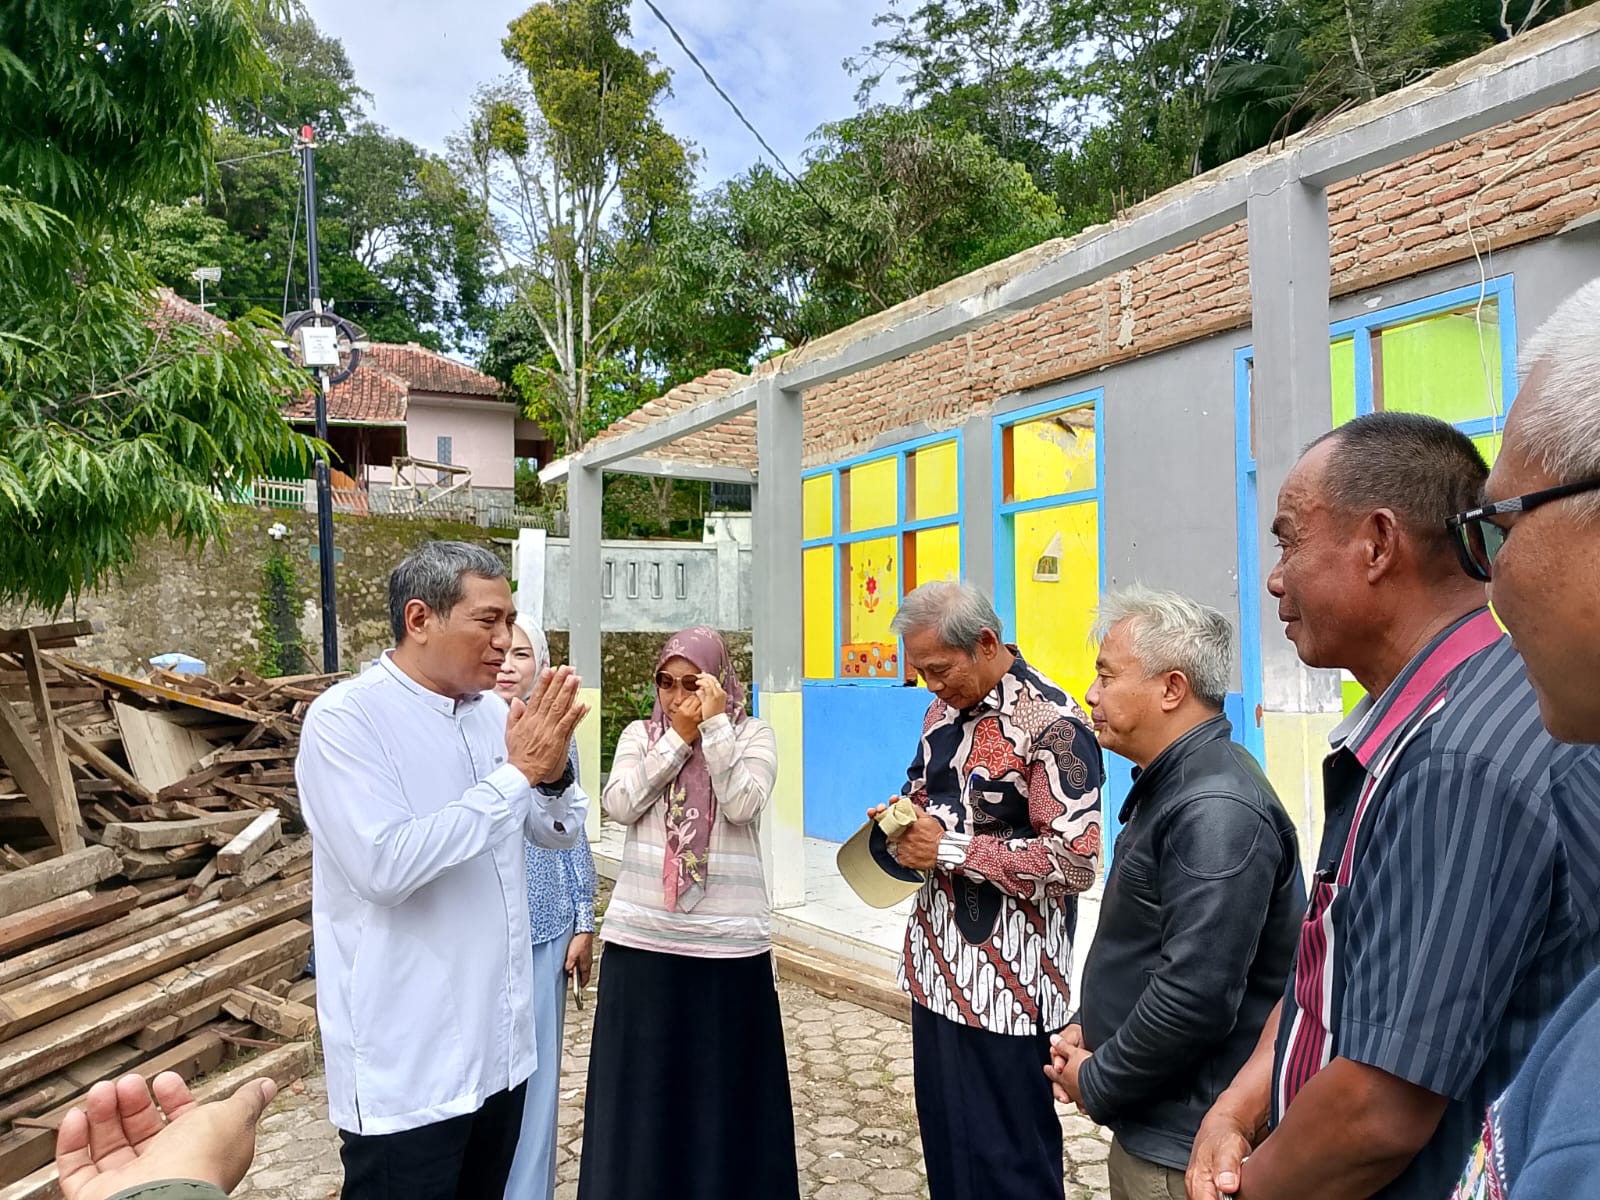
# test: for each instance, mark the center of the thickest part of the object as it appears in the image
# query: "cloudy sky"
(780, 60)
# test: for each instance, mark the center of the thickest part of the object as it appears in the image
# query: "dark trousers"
(989, 1126)
(463, 1158)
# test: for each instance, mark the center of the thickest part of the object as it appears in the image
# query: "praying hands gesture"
(122, 1137)
(539, 732)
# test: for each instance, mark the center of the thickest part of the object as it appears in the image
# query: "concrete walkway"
(855, 1122)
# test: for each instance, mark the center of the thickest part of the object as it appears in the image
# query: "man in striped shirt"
(1456, 899)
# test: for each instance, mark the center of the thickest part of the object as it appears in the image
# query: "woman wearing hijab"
(688, 1083)
(561, 890)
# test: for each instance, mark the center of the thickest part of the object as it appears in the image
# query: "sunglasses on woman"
(666, 682)
(1478, 539)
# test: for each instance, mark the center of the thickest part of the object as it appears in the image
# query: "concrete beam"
(779, 668)
(666, 468)
(1291, 392)
(669, 429)
(1082, 260)
(584, 500)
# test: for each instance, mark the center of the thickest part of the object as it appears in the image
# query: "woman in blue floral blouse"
(561, 891)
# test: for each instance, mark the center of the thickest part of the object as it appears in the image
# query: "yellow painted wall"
(938, 555)
(1445, 365)
(874, 494)
(870, 649)
(937, 491)
(1053, 455)
(817, 605)
(1054, 619)
(784, 847)
(816, 496)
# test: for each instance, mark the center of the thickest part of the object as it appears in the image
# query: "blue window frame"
(903, 526)
(1363, 331)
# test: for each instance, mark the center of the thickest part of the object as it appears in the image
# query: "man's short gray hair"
(1169, 632)
(957, 612)
(433, 574)
(1564, 439)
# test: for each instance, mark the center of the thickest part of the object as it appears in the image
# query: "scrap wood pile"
(154, 885)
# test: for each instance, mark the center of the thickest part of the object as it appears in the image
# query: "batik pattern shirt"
(1016, 783)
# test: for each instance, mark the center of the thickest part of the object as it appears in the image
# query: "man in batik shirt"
(1006, 787)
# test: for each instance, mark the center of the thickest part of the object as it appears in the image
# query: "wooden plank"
(283, 1066)
(257, 838)
(274, 1014)
(58, 877)
(30, 1005)
(304, 991)
(62, 633)
(112, 934)
(157, 835)
(839, 979)
(140, 865)
(52, 754)
(29, 1150)
(22, 757)
(154, 691)
(279, 860)
(192, 1016)
(202, 881)
(159, 751)
(61, 915)
(40, 1051)
(107, 766)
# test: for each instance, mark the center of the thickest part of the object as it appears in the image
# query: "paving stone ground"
(855, 1119)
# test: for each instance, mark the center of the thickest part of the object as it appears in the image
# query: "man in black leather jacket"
(1202, 906)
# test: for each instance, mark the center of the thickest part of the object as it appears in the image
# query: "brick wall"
(1510, 184)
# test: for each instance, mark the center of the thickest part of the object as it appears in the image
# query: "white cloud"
(780, 60)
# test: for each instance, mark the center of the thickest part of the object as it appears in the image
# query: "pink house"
(411, 424)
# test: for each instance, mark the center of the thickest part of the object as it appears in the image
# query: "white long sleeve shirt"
(424, 966)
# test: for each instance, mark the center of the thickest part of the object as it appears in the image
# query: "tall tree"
(402, 245)
(992, 67)
(116, 422)
(888, 206)
(576, 169)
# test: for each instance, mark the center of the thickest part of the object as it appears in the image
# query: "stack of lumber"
(154, 885)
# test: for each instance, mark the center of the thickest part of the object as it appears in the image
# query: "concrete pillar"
(777, 629)
(727, 546)
(1291, 392)
(977, 503)
(528, 562)
(584, 494)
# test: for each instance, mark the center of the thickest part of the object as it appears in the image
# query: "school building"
(1121, 406)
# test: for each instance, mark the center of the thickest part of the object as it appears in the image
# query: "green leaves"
(116, 421)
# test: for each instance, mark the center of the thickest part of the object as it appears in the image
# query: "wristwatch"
(561, 785)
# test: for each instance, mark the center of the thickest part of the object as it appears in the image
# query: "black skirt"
(688, 1093)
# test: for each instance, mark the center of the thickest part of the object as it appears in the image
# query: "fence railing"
(489, 510)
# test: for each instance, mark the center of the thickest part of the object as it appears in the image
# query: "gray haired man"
(1536, 542)
(419, 784)
(1005, 789)
(1203, 903)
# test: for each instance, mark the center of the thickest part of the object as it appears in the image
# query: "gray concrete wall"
(715, 585)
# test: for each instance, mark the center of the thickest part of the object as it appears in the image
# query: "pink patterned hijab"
(691, 803)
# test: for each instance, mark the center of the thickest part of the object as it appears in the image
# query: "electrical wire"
(288, 270)
(1496, 411)
(717, 87)
(228, 162)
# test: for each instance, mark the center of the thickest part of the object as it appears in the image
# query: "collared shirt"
(1015, 781)
(734, 917)
(424, 962)
(561, 884)
(1457, 896)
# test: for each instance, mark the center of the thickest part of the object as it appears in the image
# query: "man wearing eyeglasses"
(1536, 542)
(1454, 903)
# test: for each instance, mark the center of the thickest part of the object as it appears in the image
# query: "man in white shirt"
(418, 784)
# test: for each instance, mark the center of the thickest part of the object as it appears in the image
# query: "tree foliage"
(1110, 101)
(576, 170)
(401, 244)
(115, 423)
